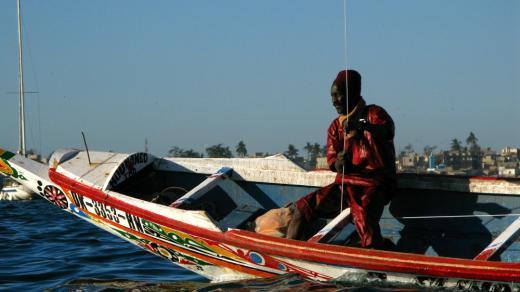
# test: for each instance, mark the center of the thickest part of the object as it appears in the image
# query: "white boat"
(207, 227)
(15, 191)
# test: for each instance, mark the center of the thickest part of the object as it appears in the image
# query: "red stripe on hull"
(383, 261)
(378, 260)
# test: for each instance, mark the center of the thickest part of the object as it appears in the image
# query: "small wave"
(98, 285)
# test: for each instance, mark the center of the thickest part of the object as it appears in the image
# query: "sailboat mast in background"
(21, 147)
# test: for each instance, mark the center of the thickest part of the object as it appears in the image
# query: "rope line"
(455, 216)
(346, 98)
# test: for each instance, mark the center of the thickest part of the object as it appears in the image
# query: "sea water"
(42, 247)
(45, 248)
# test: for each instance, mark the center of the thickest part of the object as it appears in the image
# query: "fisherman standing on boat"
(360, 149)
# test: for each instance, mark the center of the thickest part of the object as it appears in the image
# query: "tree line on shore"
(313, 151)
(456, 146)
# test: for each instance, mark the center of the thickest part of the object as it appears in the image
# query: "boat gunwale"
(461, 176)
(377, 260)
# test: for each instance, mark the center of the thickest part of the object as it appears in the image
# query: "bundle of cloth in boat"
(274, 222)
(360, 150)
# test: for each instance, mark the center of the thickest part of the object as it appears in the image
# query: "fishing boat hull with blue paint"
(197, 213)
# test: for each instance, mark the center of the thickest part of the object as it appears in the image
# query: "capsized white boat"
(458, 232)
(15, 192)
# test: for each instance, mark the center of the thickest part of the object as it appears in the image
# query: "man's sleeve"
(332, 146)
(383, 125)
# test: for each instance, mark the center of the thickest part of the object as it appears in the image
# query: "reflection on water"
(95, 285)
(288, 282)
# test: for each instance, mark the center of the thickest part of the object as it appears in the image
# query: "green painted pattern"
(7, 168)
(170, 254)
(6, 155)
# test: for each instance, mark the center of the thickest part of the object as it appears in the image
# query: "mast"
(21, 149)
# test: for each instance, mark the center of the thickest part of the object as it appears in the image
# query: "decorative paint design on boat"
(55, 196)
(165, 241)
(128, 168)
(78, 211)
(4, 154)
(276, 265)
(98, 208)
(162, 251)
(40, 185)
(183, 241)
(73, 208)
(140, 225)
(224, 252)
(6, 168)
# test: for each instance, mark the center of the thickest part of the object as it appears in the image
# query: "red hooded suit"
(369, 179)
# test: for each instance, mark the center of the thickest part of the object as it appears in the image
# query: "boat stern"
(31, 174)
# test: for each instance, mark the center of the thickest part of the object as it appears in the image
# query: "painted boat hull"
(196, 242)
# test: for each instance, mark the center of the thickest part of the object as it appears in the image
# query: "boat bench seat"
(334, 228)
(240, 215)
(223, 199)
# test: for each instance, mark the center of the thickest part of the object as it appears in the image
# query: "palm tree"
(218, 150)
(316, 150)
(176, 151)
(428, 150)
(241, 149)
(313, 151)
(291, 152)
(455, 145)
(472, 140)
(308, 148)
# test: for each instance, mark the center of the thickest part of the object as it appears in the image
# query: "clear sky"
(197, 73)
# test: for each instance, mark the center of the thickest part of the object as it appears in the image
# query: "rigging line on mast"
(37, 92)
(346, 100)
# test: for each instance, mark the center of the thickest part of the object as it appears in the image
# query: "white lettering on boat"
(128, 167)
(138, 224)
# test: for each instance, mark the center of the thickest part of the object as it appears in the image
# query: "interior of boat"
(228, 203)
(235, 203)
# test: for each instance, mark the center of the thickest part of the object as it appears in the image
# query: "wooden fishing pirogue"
(449, 231)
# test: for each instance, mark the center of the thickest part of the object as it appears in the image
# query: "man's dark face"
(338, 100)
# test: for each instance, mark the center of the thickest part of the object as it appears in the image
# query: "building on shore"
(508, 162)
(476, 161)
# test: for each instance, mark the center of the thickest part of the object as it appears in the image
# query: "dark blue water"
(43, 247)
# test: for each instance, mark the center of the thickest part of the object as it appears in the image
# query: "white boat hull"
(16, 193)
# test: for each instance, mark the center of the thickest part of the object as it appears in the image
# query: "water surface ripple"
(42, 247)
